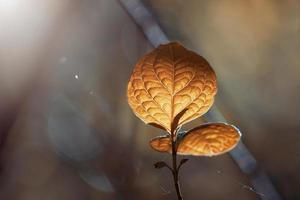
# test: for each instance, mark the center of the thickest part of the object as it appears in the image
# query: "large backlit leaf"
(205, 140)
(168, 82)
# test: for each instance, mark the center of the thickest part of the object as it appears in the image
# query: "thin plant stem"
(175, 170)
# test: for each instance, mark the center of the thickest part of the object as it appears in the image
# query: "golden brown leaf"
(209, 140)
(205, 140)
(161, 143)
(169, 80)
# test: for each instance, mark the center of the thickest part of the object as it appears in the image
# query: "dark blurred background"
(67, 132)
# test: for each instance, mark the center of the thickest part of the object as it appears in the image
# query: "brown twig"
(175, 170)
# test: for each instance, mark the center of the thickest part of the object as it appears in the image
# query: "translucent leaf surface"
(161, 143)
(169, 80)
(205, 140)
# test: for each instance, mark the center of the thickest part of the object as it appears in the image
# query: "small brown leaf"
(160, 165)
(169, 80)
(182, 162)
(205, 140)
